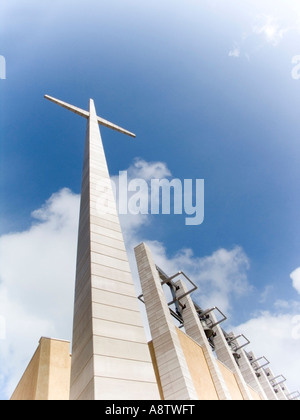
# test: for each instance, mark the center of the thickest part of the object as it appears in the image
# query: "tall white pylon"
(110, 355)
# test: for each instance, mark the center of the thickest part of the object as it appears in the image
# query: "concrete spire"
(110, 354)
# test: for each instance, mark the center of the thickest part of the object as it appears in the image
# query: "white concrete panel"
(83, 354)
(105, 388)
(112, 347)
(118, 331)
(117, 314)
(114, 299)
(101, 221)
(109, 251)
(113, 286)
(111, 273)
(110, 262)
(104, 240)
(81, 382)
(113, 367)
(103, 230)
(88, 393)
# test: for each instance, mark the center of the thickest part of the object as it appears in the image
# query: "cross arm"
(108, 124)
(72, 108)
(86, 114)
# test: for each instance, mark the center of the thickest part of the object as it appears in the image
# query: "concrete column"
(194, 329)
(174, 374)
(247, 370)
(110, 354)
(277, 389)
(286, 391)
(225, 355)
(263, 379)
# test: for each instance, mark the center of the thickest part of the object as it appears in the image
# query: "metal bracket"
(260, 366)
(294, 395)
(278, 383)
(169, 281)
(140, 298)
(231, 339)
(177, 299)
(204, 313)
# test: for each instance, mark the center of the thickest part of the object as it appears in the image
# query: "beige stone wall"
(231, 382)
(255, 395)
(200, 372)
(155, 367)
(26, 389)
(47, 376)
(198, 367)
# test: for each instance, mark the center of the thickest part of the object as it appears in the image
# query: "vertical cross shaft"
(110, 355)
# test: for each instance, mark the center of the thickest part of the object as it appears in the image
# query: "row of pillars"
(175, 377)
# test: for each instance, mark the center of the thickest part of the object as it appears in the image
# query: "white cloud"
(265, 294)
(37, 275)
(36, 283)
(35, 262)
(220, 277)
(275, 334)
(269, 22)
(140, 169)
(270, 28)
(295, 276)
(148, 170)
(235, 52)
(277, 337)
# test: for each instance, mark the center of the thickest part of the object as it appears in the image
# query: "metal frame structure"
(257, 360)
(209, 325)
(294, 396)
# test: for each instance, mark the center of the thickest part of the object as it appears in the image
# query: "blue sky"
(209, 89)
